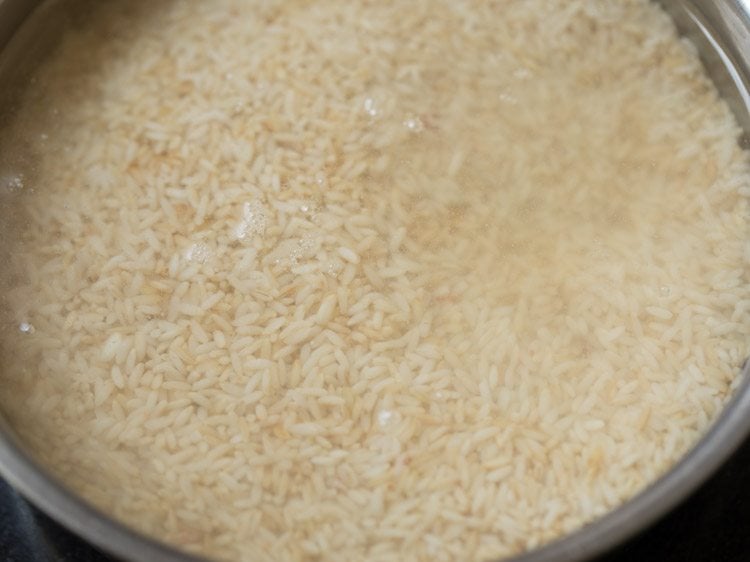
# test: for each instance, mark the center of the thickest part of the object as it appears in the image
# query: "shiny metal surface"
(721, 31)
(12, 14)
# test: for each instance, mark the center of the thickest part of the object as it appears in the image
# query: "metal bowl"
(720, 29)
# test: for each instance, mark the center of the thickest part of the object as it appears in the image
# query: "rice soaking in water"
(430, 280)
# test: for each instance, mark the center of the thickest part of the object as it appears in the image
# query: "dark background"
(713, 525)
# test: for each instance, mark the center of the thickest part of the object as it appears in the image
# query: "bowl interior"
(720, 30)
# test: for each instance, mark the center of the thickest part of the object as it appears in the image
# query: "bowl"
(720, 29)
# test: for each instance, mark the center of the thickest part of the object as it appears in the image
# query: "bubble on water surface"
(508, 98)
(11, 182)
(198, 253)
(414, 124)
(253, 220)
(387, 417)
(371, 107)
(334, 269)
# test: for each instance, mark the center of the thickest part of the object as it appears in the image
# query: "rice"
(382, 281)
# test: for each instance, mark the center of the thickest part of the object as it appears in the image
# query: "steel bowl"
(719, 29)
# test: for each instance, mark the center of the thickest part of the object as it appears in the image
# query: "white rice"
(436, 280)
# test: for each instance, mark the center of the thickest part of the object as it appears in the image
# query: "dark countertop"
(713, 525)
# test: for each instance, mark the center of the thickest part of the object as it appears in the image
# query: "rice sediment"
(371, 281)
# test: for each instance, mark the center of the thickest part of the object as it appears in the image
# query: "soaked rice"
(436, 280)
